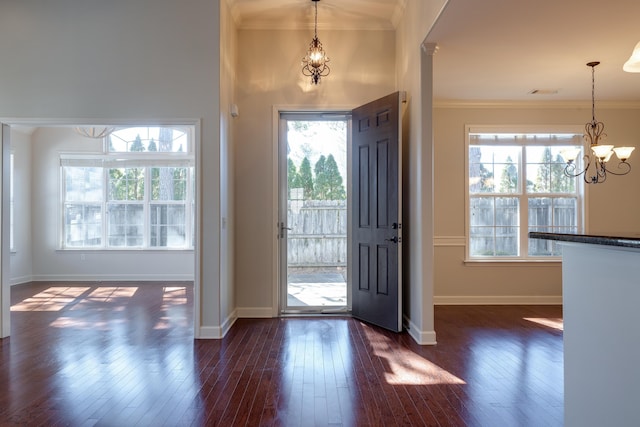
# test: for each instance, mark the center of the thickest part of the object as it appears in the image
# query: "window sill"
(511, 262)
(111, 251)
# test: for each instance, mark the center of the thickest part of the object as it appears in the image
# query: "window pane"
(82, 225)
(168, 183)
(149, 139)
(507, 211)
(545, 170)
(126, 184)
(168, 225)
(494, 169)
(125, 225)
(482, 241)
(82, 184)
(482, 211)
(507, 241)
(494, 227)
(551, 215)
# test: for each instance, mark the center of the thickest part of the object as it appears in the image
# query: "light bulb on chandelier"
(596, 165)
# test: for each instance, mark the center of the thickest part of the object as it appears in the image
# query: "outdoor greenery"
(549, 174)
(324, 183)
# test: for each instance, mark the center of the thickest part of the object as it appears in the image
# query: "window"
(516, 184)
(139, 193)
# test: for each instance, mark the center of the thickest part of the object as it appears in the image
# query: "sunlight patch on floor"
(404, 367)
(554, 323)
(107, 294)
(80, 323)
(51, 299)
(172, 297)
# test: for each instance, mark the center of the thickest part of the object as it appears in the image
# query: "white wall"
(268, 75)
(50, 263)
(228, 58)
(121, 59)
(21, 269)
(417, 19)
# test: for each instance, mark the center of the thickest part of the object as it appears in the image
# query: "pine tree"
(543, 175)
(335, 189)
(152, 145)
(293, 177)
(137, 144)
(320, 185)
(306, 178)
(509, 180)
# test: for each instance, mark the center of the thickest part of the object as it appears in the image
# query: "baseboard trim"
(210, 333)
(112, 277)
(254, 312)
(498, 300)
(228, 322)
(217, 332)
(420, 337)
(20, 280)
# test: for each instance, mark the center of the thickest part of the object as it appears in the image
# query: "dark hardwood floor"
(123, 354)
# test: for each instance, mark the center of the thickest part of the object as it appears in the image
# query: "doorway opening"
(313, 214)
(118, 207)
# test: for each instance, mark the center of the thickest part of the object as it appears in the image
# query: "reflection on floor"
(321, 289)
(124, 354)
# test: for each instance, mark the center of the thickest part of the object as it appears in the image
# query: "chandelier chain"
(315, 31)
(593, 92)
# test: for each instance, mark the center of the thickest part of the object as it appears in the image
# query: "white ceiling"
(494, 50)
(503, 49)
(332, 14)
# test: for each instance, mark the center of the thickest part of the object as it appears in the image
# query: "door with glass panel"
(313, 212)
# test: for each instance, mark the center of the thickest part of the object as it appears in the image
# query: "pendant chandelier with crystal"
(596, 164)
(314, 64)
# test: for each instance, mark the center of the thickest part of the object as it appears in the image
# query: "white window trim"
(523, 236)
(112, 160)
(12, 205)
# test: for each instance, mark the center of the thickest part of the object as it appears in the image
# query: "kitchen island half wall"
(601, 311)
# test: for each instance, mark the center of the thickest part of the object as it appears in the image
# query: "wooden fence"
(318, 235)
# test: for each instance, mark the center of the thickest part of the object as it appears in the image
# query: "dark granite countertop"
(628, 240)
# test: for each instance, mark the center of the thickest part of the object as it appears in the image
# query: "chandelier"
(314, 64)
(596, 167)
(633, 63)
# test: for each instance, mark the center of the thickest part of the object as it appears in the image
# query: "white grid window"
(516, 184)
(138, 196)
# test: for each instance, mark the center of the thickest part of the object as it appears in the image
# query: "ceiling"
(332, 14)
(494, 50)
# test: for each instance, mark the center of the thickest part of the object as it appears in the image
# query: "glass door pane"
(316, 214)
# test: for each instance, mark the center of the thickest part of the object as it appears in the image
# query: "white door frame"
(6, 123)
(275, 200)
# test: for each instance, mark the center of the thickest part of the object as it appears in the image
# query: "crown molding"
(622, 105)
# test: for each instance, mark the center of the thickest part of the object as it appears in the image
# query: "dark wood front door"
(376, 216)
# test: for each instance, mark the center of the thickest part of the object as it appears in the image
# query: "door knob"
(282, 228)
(394, 239)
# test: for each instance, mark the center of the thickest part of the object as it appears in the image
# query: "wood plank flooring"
(123, 354)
